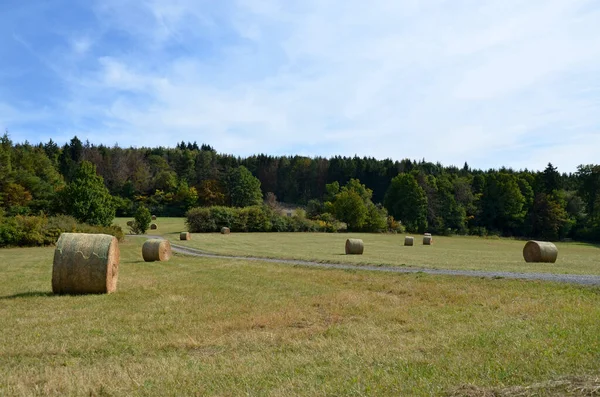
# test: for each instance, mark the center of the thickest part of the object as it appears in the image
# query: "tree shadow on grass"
(30, 294)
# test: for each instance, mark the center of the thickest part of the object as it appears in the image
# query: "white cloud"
(81, 45)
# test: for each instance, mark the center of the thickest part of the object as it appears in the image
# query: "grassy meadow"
(466, 253)
(197, 326)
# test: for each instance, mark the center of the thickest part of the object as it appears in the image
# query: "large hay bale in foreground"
(85, 264)
(427, 240)
(354, 246)
(540, 251)
(156, 250)
(409, 241)
(225, 230)
(185, 236)
(153, 226)
(153, 217)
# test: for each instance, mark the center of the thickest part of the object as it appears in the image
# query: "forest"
(93, 183)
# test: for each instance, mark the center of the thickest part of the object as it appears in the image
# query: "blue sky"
(495, 83)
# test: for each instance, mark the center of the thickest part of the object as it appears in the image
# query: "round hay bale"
(540, 251)
(185, 236)
(354, 246)
(153, 217)
(156, 250)
(225, 230)
(409, 241)
(85, 264)
(153, 226)
(129, 223)
(427, 234)
(427, 240)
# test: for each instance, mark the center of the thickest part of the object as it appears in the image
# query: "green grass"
(195, 326)
(468, 253)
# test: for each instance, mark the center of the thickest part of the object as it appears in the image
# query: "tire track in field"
(581, 279)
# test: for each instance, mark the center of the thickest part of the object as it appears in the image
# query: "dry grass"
(571, 386)
(211, 327)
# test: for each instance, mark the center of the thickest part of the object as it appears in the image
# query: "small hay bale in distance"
(185, 236)
(156, 250)
(85, 264)
(225, 230)
(153, 217)
(540, 251)
(427, 240)
(409, 241)
(354, 246)
(153, 226)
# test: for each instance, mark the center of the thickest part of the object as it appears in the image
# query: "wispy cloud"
(494, 83)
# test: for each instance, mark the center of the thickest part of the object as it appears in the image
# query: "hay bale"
(153, 217)
(153, 226)
(156, 250)
(85, 264)
(409, 241)
(540, 251)
(427, 240)
(129, 223)
(354, 246)
(225, 230)
(427, 234)
(185, 236)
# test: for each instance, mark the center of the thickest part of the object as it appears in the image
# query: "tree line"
(361, 192)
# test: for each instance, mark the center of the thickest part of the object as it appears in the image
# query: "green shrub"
(258, 220)
(57, 225)
(30, 230)
(281, 223)
(394, 226)
(328, 223)
(9, 233)
(112, 230)
(376, 220)
(240, 221)
(222, 216)
(142, 220)
(27, 231)
(301, 224)
(199, 221)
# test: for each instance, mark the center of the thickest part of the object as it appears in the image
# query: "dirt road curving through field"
(591, 280)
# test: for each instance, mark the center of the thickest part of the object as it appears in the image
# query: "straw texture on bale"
(184, 236)
(540, 251)
(156, 250)
(225, 230)
(408, 240)
(129, 223)
(153, 217)
(85, 264)
(153, 226)
(427, 240)
(354, 246)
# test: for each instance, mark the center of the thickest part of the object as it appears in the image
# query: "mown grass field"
(196, 326)
(470, 253)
